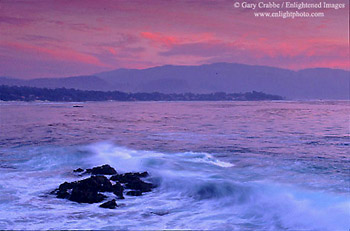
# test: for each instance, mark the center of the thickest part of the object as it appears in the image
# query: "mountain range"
(315, 83)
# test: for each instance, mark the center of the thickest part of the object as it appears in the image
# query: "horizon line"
(175, 65)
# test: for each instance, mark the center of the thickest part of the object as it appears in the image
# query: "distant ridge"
(313, 83)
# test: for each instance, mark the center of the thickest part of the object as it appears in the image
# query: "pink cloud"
(54, 53)
(160, 40)
(112, 34)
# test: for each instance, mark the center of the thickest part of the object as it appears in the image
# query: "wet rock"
(128, 177)
(102, 170)
(65, 186)
(63, 194)
(141, 174)
(160, 213)
(122, 178)
(85, 191)
(86, 196)
(97, 183)
(133, 181)
(78, 170)
(134, 193)
(62, 191)
(89, 190)
(109, 204)
(118, 190)
(139, 185)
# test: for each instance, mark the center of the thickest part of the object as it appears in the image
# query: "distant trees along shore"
(20, 93)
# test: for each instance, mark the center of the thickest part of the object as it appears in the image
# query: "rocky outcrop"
(109, 204)
(133, 181)
(102, 170)
(91, 189)
(134, 193)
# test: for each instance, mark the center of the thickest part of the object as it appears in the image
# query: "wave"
(196, 191)
(207, 180)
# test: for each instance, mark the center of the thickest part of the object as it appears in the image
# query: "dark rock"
(118, 190)
(86, 196)
(78, 170)
(102, 170)
(134, 193)
(160, 213)
(138, 174)
(97, 183)
(133, 181)
(139, 185)
(62, 194)
(89, 190)
(128, 177)
(85, 191)
(109, 204)
(65, 186)
(115, 177)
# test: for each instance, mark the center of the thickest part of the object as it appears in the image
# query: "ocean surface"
(219, 165)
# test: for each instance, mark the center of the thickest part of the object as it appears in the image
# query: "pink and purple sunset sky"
(56, 38)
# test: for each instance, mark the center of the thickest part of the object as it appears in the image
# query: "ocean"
(281, 165)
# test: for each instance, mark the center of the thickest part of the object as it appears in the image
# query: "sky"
(60, 38)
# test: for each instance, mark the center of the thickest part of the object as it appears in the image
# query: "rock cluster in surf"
(90, 190)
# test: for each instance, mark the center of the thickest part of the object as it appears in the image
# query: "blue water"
(219, 165)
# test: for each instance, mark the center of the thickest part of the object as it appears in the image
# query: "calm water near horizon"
(280, 165)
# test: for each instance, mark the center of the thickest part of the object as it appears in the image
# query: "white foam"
(197, 191)
(207, 158)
